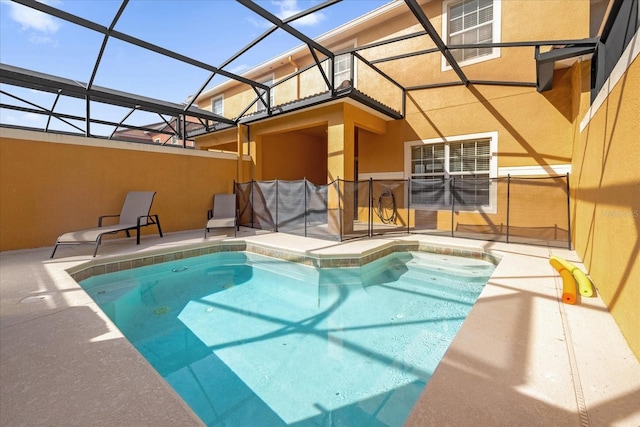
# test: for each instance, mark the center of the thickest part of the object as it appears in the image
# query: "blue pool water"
(248, 340)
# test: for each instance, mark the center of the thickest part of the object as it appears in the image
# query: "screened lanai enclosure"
(96, 89)
(95, 92)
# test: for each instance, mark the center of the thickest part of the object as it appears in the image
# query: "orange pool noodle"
(568, 283)
(584, 284)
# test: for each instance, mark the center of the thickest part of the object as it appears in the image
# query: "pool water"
(248, 340)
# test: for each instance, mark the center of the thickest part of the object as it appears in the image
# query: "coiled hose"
(386, 204)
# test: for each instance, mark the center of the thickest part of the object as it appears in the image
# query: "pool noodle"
(584, 284)
(568, 282)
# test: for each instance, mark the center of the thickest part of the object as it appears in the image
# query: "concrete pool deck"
(522, 357)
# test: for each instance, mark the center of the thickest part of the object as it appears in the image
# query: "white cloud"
(36, 38)
(26, 119)
(259, 22)
(31, 19)
(239, 69)
(9, 118)
(289, 8)
(33, 118)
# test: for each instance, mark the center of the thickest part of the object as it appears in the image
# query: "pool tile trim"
(346, 260)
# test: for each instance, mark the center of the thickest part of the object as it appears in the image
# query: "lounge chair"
(134, 214)
(223, 214)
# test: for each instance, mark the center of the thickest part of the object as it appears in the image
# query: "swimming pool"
(249, 340)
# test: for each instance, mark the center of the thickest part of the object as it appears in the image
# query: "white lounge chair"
(223, 214)
(134, 214)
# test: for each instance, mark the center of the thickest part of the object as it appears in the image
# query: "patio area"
(522, 357)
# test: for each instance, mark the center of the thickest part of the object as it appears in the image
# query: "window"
(342, 70)
(262, 103)
(216, 106)
(472, 22)
(454, 170)
(341, 67)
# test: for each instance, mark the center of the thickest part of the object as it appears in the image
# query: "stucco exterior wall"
(294, 155)
(520, 20)
(534, 128)
(226, 140)
(51, 184)
(606, 190)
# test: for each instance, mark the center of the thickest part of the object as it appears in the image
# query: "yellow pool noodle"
(584, 284)
(568, 282)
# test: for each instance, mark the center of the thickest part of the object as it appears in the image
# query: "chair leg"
(54, 250)
(95, 252)
(158, 223)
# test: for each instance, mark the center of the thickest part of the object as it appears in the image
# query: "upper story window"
(456, 170)
(471, 22)
(342, 69)
(217, 106)
(262, 102)
(342, 64)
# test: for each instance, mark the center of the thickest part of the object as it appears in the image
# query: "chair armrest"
(106, 216)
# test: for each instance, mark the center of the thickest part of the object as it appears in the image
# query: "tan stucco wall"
(533, 128)
(521, 20)
(222, 140)
(293, 156)
(339, 121)
(50, 184)
(606, 190)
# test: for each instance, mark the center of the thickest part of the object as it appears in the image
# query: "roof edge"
(261, 68)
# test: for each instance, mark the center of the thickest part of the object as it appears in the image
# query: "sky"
(210, 31)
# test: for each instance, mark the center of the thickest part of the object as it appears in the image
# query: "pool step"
(440, 287)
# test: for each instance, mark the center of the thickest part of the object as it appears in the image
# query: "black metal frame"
(340, 186)
(210, 122)
(152, 220)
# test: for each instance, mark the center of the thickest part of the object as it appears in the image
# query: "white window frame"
(327, 64)
(347, 58)
(260, 107)
(213, 101)
(495, 38)
(493, 168)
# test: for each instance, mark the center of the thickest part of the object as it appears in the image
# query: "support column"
(340, 164)
(340, 150)
(244, 173)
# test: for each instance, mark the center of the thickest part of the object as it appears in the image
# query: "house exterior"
(500, 114)
(507, 121)
(497, 126)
